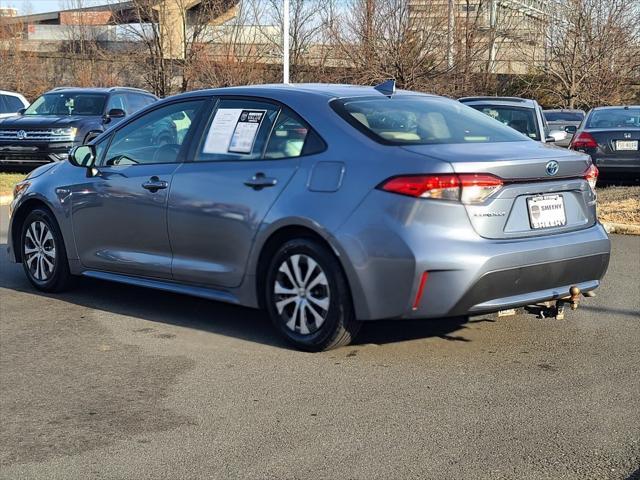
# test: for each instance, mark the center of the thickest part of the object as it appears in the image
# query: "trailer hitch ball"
(575, 297)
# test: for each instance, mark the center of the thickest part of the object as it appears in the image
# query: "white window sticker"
(246, 131)
(233, 130)
(221, 130)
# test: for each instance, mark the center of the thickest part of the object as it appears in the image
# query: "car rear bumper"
(465, 273)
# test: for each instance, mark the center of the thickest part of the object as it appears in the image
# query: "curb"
(6, 199)
(622, 228)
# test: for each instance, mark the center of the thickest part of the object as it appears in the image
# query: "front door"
(120, 213)
(248, 153)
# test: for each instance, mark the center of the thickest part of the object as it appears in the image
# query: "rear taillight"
(464, 187)
(591, 176)
(583, 140)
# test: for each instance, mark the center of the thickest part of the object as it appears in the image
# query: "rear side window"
(4, 108)
(421, 120)
(238, 130)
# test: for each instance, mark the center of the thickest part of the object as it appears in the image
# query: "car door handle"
(259, 181)
(154, 184)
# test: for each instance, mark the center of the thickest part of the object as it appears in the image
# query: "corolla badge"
(552, 167)
(21, 134)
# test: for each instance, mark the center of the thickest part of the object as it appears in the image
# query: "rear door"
(248, 152)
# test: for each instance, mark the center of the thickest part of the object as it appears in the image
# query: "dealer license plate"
(546, 211)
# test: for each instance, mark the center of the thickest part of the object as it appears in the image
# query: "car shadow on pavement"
(216, 317)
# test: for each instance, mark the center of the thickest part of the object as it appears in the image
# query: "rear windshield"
(518, 118)
(421, 120)
(615, 118)
(68, 104)
(564, 116)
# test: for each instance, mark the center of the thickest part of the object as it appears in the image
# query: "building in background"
(503, 32)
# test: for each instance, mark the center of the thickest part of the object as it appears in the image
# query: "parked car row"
(62, 118)
(326, 205)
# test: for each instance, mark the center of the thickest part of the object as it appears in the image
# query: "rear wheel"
(308, 298)
(44, 258)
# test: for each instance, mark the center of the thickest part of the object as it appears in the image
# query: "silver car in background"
(327, 205)
(566, 120)
(522, 114)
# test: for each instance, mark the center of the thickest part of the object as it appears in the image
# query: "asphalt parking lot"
(117, 382)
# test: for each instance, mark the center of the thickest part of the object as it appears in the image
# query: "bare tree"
(590, 52)
(382, 39)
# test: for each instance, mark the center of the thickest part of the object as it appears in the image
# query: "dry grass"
(8, 180)
(619, 205)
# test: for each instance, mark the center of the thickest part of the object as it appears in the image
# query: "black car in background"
(611, 135)
(63, 118)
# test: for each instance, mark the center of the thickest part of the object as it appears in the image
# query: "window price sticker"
(246, 131)
(233, 130)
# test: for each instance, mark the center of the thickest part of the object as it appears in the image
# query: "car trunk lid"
(531, 182)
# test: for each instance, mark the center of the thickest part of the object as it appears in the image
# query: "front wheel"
(44, 258)
(308, 298)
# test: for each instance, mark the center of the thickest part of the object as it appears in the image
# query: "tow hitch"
(556, 308)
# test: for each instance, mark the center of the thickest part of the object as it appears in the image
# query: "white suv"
(10, 103)
(522, 114)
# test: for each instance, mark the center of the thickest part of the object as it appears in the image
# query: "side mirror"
(83, 156)
(556, 135)
(571, 129)
(21, 111)
(114, 113)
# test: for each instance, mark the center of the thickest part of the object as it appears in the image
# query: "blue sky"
(39, 6)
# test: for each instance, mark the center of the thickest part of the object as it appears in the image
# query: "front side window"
(117, 101)
(156, 137)
(137, 101)
(521, 119)
(68, 103)
(421, 120)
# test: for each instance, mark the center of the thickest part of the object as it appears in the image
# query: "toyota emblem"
(552, 167)
(21, 134)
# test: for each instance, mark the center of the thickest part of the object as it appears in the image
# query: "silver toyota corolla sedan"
(327, 205)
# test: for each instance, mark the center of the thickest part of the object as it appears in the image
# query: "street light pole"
(285, 43)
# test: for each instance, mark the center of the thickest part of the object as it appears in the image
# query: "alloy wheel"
(39, 251)
(301, 294)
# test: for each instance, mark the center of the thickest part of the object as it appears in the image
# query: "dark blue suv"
(63, 118)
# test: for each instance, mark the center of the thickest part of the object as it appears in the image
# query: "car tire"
(308, 298)
(44, 258)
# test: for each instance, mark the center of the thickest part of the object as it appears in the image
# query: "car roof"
(7, 92)
(327, 90)
(568, 110)
(508, 101)
(100, 90)
(616, 107)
